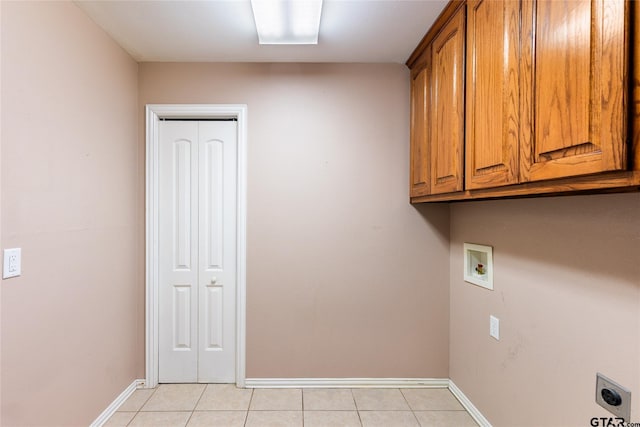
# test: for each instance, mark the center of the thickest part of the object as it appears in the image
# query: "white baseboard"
(470, 407)
(347, 382)
(113, 407)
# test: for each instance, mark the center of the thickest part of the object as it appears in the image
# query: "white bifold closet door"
(197, 251)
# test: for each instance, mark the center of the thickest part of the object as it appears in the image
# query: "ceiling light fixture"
(287, 21)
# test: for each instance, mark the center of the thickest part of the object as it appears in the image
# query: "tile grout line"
(246, 417)
(356, 406)
(196, 405)
(418, 423)
(142, 406)
(148, 399)
(200, 397)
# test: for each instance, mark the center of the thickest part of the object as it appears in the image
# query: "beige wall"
(70, 200)
(344, 277)
(567, 292)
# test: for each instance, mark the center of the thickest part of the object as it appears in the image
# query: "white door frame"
(154, 113)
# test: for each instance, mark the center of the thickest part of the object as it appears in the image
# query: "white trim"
(113, 407)
(346, 382)
(470, 407)
(154, 112)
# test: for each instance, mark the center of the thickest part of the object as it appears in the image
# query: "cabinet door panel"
(492, 103)
(447, 106)
(573, 78)
(419, 133)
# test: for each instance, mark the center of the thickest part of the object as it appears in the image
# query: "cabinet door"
(573, 74)
(447, 106)
(492, 102)
(419, 133)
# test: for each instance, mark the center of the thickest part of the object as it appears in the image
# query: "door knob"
(214, 280)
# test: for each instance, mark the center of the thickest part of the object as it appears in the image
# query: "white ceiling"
(224, 31)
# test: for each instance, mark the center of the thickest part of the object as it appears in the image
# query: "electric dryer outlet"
(613, 397)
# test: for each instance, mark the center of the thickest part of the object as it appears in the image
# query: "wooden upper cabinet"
(447, 106)
(420, 88)
(515, 98)
(573, 73)
(492, 102)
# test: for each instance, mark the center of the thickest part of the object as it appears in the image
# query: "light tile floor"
(225, 405)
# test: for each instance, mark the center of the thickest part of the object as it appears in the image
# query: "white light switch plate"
(11, 266)
(494, 327)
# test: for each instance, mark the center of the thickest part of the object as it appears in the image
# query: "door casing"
(154, 113)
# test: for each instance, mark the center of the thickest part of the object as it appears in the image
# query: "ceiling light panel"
(287, 21)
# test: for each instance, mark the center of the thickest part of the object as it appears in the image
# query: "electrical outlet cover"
(624, 409)
(11, 265)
